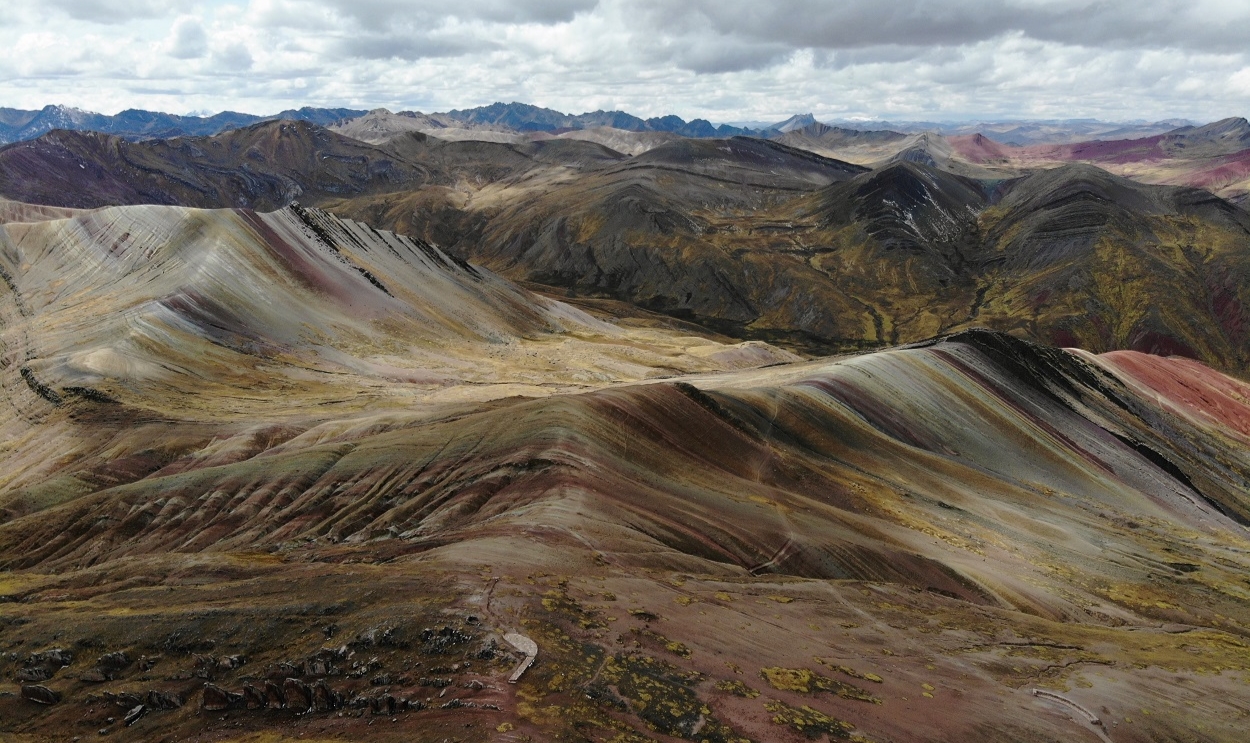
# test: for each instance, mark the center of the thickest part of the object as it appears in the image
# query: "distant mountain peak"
(797, 121)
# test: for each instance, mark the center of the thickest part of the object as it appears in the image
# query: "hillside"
(1215, 157)
(737, 235)
(757, 538)
(888, 256)
(264, 166)
(286, 475)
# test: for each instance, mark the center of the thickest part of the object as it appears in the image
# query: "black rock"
(55, 658)
(217, 699)
(111, 663)
(297, 695)
(161, 700)
(254, 698)
(133, 715)
(38, 673)
(40, 694)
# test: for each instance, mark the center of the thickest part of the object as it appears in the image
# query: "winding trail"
(1096, 724)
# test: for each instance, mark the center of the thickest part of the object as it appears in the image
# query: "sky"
(723, 60)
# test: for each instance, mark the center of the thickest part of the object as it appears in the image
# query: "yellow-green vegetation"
(737, 688)
(810, 722)
(580, 717)
(568, 663)
(559, 601)
(809, 682)
(575, 689)
(14, 582)
(672, 646)
(664, 698)
(268, 737)
(857, 674)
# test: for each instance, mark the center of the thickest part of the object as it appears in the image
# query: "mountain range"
(744, 236)
(20, 125)
(286, 474)
(506, 425)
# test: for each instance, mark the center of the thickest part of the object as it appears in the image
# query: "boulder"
(230, 662)
(38, 673)
(325, 699)
(55, 657)
(204, 666)
(123, 699)
(162, 700)
(297, 694)
(112, 663)
(107, 667)
(284, 670)
(40, 694)
(133, 715)
(217, 698)
(273, 695)
(254, 698)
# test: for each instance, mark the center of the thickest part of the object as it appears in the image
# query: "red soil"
(1225, 170)
(1187, 386)
(979, 148)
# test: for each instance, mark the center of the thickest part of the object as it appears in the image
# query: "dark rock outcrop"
(297, 695)
(217, 699)
(40, 694)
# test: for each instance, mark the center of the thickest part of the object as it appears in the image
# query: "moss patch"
(808, 682)
(810, 722)
(737, 688)
(664, 698)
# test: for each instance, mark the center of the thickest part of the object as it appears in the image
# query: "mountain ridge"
(732, 233)
(18, 126)
(316, 441)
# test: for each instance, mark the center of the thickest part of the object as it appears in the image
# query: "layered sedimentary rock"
(311, 475)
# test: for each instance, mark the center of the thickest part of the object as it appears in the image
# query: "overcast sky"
(725, 60)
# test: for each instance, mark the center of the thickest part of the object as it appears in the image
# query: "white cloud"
(716, 59)
(112, 12)
(187, 39)
(233, 58)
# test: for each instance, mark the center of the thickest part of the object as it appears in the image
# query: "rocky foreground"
(281, 476)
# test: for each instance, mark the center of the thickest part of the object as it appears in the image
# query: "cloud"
(382, 15)
(187, 39)
(724, 60)
(232, 58)
(115, 11)
(1207, 25)
(410, 46)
